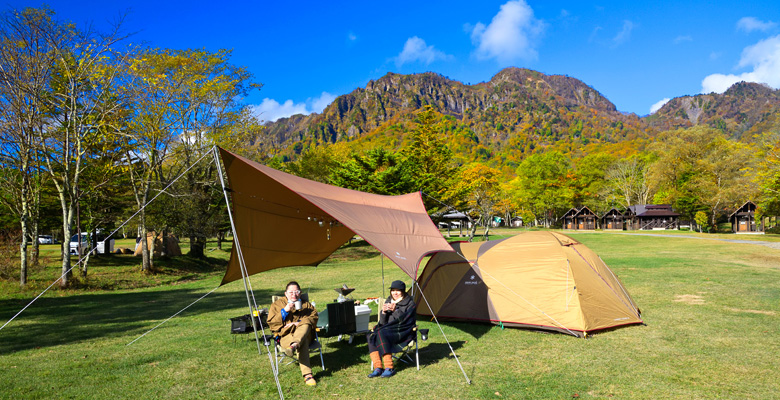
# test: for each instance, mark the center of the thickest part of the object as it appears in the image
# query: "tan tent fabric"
(543, 280)
(284, 220)
(172, 244)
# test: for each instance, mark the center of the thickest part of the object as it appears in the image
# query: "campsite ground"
(712, 310)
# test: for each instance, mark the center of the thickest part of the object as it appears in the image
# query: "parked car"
(45, 239)
(103, 246)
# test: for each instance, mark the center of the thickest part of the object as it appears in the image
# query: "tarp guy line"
(169, 318)
(442, 333)
(111, 234)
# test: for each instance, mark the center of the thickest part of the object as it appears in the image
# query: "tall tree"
(699, 169)
(544, 185)
(26, 60)
(82, 115)
(768, 171)
(206, 111)
(479, 185)
(427, 161)
(627, 180)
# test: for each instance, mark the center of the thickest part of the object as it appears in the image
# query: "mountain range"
(516, 113)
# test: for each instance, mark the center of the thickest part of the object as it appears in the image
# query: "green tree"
(544, 184)
(699, 169)
(206, 111)
(427, 161)
(479, 185)
(26, 58)
(82, 112)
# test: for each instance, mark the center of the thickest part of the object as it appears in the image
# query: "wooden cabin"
(568, 219)
(612, 220)
(579, 219)
(585, 219)
(651, 217)
(743, 220)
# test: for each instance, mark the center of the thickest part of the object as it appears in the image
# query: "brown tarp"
(542, 280)
(283, 220)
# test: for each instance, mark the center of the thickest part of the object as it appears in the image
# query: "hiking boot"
(377, 372)
(388, 373)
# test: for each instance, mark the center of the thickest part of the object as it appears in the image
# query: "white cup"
(297, 304)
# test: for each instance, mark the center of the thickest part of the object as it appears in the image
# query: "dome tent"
(541, 280)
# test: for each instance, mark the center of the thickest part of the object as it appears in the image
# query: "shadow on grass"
(340, 354)
(475, 329)
(63, 320)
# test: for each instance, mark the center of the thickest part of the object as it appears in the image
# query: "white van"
(103, 246)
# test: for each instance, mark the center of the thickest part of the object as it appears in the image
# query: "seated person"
(396, 323)
(294, 322)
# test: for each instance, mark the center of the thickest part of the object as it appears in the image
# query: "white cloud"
(415, 49)
(750, 24)
(511, 35)
(625, 34)
(270, 110)
(763, 57)
(657, 106)
(681, 38)
(319, 104)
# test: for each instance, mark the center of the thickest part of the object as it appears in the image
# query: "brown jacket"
(306, 315)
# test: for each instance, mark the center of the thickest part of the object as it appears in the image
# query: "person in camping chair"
(295, 322)
(396, 323)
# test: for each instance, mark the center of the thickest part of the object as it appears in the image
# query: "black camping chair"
(315, 347)
(403, 351)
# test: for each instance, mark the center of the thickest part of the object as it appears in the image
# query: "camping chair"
(314, 347)
(403, 351)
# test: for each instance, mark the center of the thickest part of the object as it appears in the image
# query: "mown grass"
(712, 311)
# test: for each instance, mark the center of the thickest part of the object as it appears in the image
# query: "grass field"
(712, 311)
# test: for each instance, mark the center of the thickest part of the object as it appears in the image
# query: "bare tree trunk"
(23, 256)
(146, 260)
(67, 221)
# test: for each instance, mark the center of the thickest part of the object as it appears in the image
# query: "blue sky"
(637, 54)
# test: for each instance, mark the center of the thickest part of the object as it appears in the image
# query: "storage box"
(362, 314)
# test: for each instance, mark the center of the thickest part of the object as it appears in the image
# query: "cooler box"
(362, 314)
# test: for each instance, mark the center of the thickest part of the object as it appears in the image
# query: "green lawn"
(712, 310)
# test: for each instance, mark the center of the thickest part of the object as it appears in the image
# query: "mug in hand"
(297, 304)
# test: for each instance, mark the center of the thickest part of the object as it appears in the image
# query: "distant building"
(743, 220)
(568, 219)
(651, 216)
(579, 219)
(612, 220)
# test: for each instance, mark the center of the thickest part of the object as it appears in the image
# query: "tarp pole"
(245, 277)
(442, 332)
(382, 257)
